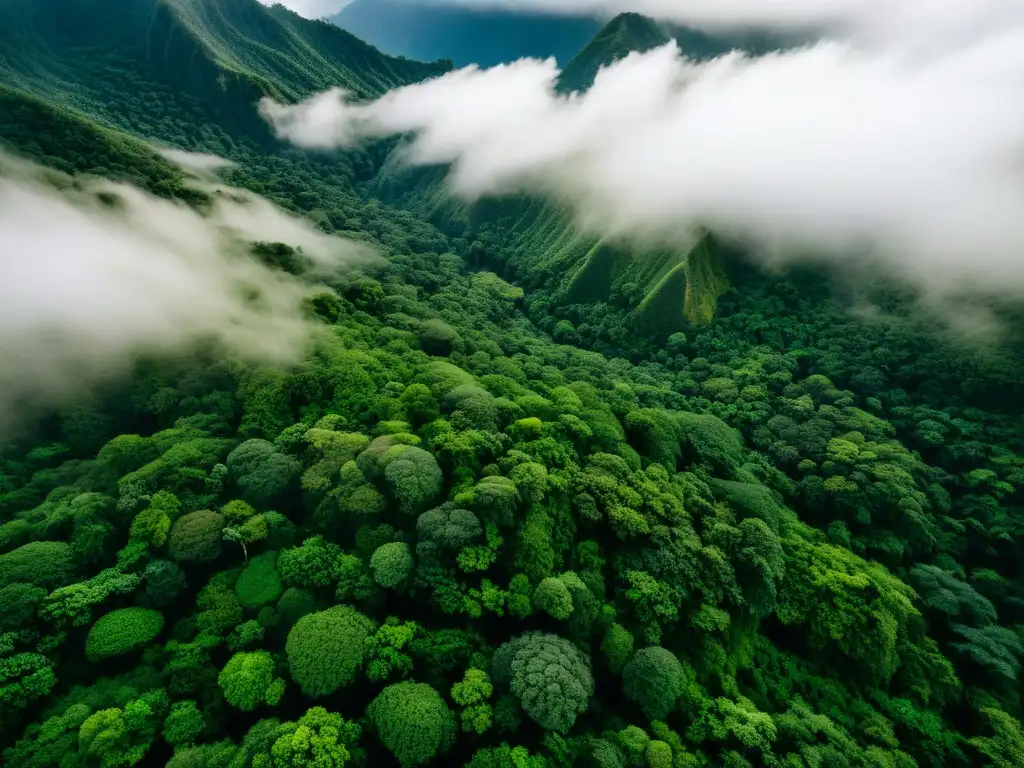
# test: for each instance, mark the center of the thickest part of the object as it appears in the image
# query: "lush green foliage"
(413, 722)
(325, 649)
(590, 532)
(549, 675)
(248, 681)
(122, 631)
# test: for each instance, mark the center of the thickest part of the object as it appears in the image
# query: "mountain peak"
(624, 34)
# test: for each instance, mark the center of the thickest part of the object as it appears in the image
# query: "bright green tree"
(413, 722)
(326, 649)
(250, 679)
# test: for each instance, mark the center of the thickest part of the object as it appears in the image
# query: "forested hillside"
(531, 501)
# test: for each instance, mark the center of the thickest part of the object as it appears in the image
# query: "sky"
(888, 144)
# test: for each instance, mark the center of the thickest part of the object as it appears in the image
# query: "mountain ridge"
(222, 55)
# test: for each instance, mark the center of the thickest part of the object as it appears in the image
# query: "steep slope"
(539, 244)
(624, 34)
(463, 35)
(204, 59)
(61, 139)
(629, 32)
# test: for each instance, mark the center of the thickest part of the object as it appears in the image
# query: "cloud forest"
(658, 410)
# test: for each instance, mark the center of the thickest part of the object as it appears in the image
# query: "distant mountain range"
(426, 31)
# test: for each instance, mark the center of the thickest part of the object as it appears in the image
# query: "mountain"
(420, 29)
(213, 58)
(538, 243)
(626, 33)
(476, 523)
(633, 32)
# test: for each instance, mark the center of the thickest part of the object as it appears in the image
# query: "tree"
(117, 737)
(24, 678)
(152, 524)
(617, 647)
(419, 404)
(446, 529)
(1005, 747)
(412, 721)
(944, 592)
(549, 675)
(259, 583)
(386, 651)
(18, 605)
(326, 649)
(184, 723)
(413, 477)
(996, 648)
(196, 537)
(553, 597)
(392, 564)
(122, 631)
(655, 679)
(504, 756)
(658, 755)
(218, 609)
(314, 564)
(164, 581)
(73, 605)
(261, 472)
(319, 739)
(472, 694)
(45, 564)
(250, 679)
(256, 528)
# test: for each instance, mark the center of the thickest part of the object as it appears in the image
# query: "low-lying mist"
(94, 273)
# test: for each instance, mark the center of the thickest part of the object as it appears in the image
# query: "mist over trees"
(513, 495)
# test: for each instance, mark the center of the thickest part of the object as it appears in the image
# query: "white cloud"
(836, 151)
(926, 17)
(311, 9)
(87, 285)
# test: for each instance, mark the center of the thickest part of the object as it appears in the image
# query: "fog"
(888, 18)
(94, 273)
(910, 161)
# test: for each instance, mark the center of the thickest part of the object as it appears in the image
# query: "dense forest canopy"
(515, 496)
